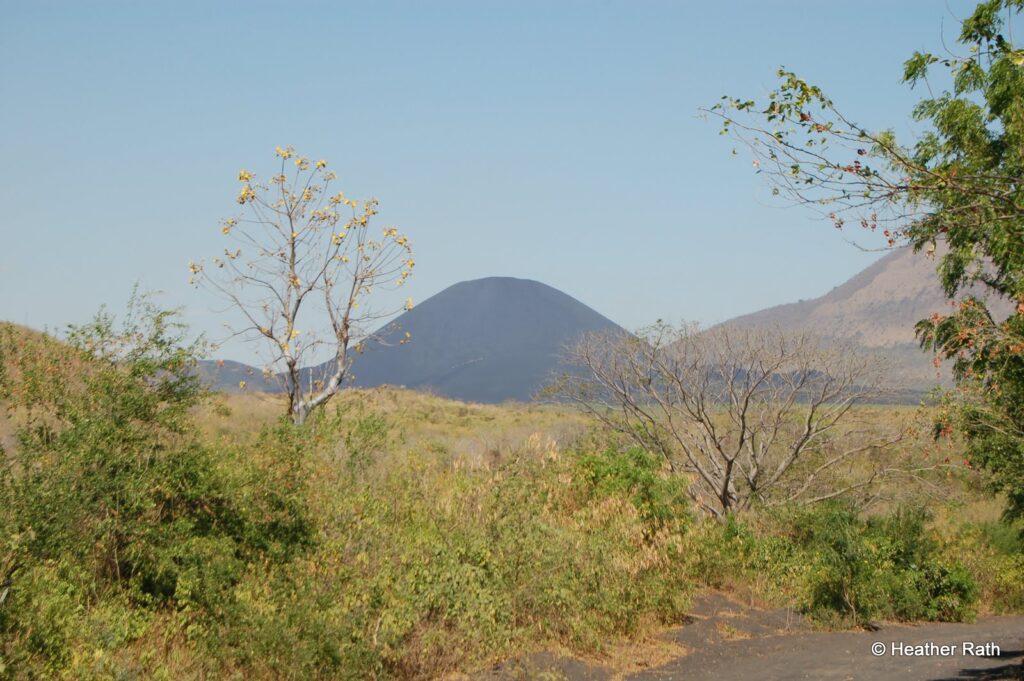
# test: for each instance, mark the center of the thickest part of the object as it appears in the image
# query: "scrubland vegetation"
(152, 531)
(149, 529)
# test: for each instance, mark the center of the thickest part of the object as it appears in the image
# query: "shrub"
(426, 569)
(887, 567)
(839, 567)
(660, 499)
(110, 501)
(994, 554)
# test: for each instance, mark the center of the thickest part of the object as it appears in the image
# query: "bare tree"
(750, 414)
(300, 270)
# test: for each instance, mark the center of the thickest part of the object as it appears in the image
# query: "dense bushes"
(993, 552)
(886, 567)
(841, 567)
(139, 550)
(112, 510)
(637, 474)
(425, 568)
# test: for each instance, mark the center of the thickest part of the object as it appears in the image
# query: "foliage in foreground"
(840, 568)
(423, 570)
(109, 508)
(993, 553)
(133, 549)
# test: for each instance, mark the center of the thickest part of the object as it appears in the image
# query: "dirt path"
(848, 655)
(725, 640)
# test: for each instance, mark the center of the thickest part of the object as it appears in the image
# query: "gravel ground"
(727, 641)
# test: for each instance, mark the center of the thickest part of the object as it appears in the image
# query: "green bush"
(109, 500)
(994, 554)
(885, 567)
(845, 568)
(427, 569)
(637, 474)
(839, 567)
(1004, 537)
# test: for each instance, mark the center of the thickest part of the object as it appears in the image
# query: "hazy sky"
(557, 141)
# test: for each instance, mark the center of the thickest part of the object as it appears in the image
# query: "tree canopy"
(953, 193)
(302, 270)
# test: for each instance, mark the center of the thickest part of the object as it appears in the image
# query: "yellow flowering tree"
(301, 266)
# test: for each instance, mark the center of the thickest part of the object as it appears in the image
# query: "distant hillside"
(877, 308)
(487, 340)
(227, 375)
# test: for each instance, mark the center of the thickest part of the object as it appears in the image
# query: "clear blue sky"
(557, 141)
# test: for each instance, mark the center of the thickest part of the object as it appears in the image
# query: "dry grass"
(625, 658)
(468, 434)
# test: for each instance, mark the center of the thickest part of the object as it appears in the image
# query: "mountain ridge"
(878, 308)
(498, 338)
